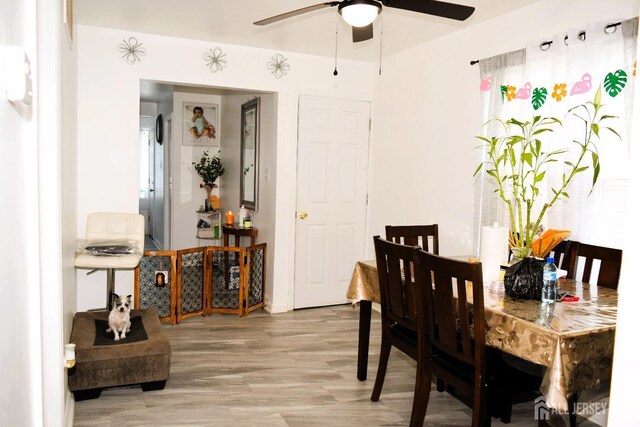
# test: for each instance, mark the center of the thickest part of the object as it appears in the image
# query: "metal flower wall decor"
(131, 50)
(215, 60)
(278, 66)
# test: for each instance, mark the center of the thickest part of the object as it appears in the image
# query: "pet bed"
(143, 357)
(137, 332)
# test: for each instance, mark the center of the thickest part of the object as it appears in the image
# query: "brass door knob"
(303, 215)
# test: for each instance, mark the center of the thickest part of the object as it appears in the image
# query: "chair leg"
(481, 412)
(385, 350)
(421, 395)
(440, 386)
(506, 409)
(573, 415)
(111, 286)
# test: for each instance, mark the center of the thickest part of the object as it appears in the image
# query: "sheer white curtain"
(548, 79)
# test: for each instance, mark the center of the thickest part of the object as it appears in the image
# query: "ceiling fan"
(360, 14)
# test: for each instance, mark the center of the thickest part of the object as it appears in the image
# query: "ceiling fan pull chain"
(380, 63)
(335, 68)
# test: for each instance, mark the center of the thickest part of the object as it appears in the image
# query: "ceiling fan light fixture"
(359, 13)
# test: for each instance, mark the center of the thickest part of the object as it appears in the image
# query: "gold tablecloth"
(364, 283)
(574, 340)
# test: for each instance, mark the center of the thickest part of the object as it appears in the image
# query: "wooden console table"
(236, 231)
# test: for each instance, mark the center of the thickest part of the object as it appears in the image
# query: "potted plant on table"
(517, 159)
(209, 168)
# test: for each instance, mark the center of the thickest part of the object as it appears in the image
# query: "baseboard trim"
(69, 409)
(276, 309)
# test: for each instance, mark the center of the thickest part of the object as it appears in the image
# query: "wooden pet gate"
(201, 281)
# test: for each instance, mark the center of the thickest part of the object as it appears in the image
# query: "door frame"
(166, 181)
(168, 178)
(150, 158)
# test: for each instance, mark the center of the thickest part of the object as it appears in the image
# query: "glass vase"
(207, 203)
(519, 253)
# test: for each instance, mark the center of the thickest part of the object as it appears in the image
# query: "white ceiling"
(231, 21)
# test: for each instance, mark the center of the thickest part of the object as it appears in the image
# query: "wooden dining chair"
(564, 254)
(415, 235)
(610, 263)
(397, 301)
(451, 336)
(425, 236)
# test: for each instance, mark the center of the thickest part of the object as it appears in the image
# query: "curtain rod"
(581, 35)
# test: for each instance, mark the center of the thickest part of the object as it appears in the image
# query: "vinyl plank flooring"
(294, 369)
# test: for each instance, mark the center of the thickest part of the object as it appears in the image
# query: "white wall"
(426, 113)
(37, 141)
(68, 200)
(21, 389)
(165, 107)
(265, 218)
(187, 196)
(108, 98)
(230, 147)
(148, 113)
(68, 178)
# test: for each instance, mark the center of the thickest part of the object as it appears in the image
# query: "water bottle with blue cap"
(549, 277)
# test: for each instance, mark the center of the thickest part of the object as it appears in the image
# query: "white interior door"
(333, 151)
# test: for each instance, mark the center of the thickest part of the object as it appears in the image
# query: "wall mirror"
(249, 144)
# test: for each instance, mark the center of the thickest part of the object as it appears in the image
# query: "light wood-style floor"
(291, 369)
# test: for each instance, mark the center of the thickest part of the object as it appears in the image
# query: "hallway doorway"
(152, 188)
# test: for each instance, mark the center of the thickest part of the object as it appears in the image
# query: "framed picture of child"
(200, 124)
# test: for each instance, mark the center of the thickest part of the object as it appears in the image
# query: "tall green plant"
(209, 168)
(517, 161)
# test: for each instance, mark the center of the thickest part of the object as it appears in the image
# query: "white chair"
(116, 228)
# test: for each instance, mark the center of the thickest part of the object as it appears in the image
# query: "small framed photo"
(161, 278)
(200, 124)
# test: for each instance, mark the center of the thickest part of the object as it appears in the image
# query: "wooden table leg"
(236, 243)
(363, 339)
(226, 260)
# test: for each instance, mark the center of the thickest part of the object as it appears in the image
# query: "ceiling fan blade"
(296, 12)
(361, 34)
(431, 7)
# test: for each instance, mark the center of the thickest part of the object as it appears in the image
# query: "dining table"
(572, 340)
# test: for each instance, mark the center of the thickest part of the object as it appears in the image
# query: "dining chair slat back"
(447, 313)
(610, 263)
(397, 300)
(564, 254)
(425, 236)
(395, 274)
(452, 332)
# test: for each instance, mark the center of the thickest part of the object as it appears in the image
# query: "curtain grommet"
(610, 29)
